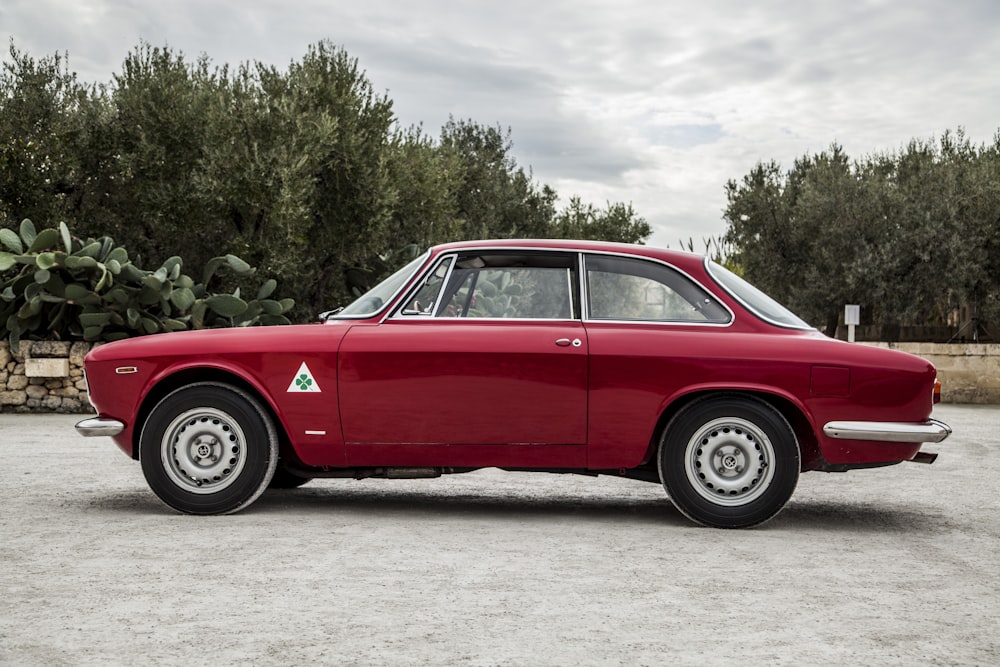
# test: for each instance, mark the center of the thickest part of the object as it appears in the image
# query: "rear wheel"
(729, 461)
(208, 448)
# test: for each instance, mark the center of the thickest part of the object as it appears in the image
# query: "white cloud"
(657, 103)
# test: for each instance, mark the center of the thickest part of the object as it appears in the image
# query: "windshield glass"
(755, 301)
(372, 301)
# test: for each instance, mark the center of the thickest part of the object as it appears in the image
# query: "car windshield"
(372, 301)
(753, 299)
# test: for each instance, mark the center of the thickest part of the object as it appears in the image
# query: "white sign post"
(852, 318)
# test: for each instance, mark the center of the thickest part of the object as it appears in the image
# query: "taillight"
(937, 391)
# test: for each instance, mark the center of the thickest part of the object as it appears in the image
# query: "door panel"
(448, 382)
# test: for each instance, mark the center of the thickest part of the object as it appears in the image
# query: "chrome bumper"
(99, 426)
(930, 431)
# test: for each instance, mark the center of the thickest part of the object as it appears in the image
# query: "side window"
(622, 288)
(425, 299)
(527, 285)
(520, 292)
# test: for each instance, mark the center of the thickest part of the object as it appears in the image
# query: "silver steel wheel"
(203, 450)
(729, 461)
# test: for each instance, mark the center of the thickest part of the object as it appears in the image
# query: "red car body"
(395, 388)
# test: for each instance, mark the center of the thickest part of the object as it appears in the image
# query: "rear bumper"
(97, 426)
(930, 431)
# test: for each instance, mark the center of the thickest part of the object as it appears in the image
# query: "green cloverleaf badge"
(303, 382)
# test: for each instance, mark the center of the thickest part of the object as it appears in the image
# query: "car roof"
(665, 254)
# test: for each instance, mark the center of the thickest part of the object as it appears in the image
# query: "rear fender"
(790, 408)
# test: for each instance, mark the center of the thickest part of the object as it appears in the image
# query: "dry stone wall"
(43, 376)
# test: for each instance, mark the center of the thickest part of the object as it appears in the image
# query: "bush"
(54, 286)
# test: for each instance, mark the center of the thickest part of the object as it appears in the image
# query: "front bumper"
(97, 426)
(930, 431)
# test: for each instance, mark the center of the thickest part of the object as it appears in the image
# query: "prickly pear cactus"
(498, 295)
(56, 286)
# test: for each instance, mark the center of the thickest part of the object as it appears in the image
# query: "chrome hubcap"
(203, 450)
(729, 461)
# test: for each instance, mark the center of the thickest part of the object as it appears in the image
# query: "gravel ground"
(893, 566)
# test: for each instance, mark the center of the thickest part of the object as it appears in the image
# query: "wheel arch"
(186, 376)
(809, 452)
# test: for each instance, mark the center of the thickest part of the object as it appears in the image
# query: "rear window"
(629, 289)
(753, 299)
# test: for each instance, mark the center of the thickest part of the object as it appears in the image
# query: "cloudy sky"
(653, 102)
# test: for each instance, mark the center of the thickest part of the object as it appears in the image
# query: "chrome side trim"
(97, 426)
(930, 431)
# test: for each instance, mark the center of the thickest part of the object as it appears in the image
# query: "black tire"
(729, 461)
(285, 479)
(208, 448)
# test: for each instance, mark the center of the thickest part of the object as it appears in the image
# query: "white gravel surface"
(894, 566)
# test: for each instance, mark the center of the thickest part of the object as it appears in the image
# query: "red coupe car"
(552, 356)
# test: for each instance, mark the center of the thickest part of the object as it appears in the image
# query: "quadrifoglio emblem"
(304, 382)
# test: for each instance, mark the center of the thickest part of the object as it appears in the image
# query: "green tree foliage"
(428, 178)
(496, 198)
(45, 119)
(320, 144)
(909, 235)
(156, 132)
(302, 171)
(618, 222)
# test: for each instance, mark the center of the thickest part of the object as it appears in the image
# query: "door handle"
(566, 342)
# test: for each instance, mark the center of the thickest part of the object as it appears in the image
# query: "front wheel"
(729, 461)
(208, 448)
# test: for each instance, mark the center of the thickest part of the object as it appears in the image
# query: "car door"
(485, 363)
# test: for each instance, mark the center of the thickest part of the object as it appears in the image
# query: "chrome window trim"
(569, 291)
(397, 312)
(584, 315)
(708, 269)
(670, 323)
(665, 323)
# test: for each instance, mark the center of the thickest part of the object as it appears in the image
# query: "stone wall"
(47, 376)
(969, 373)
(43, 376)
